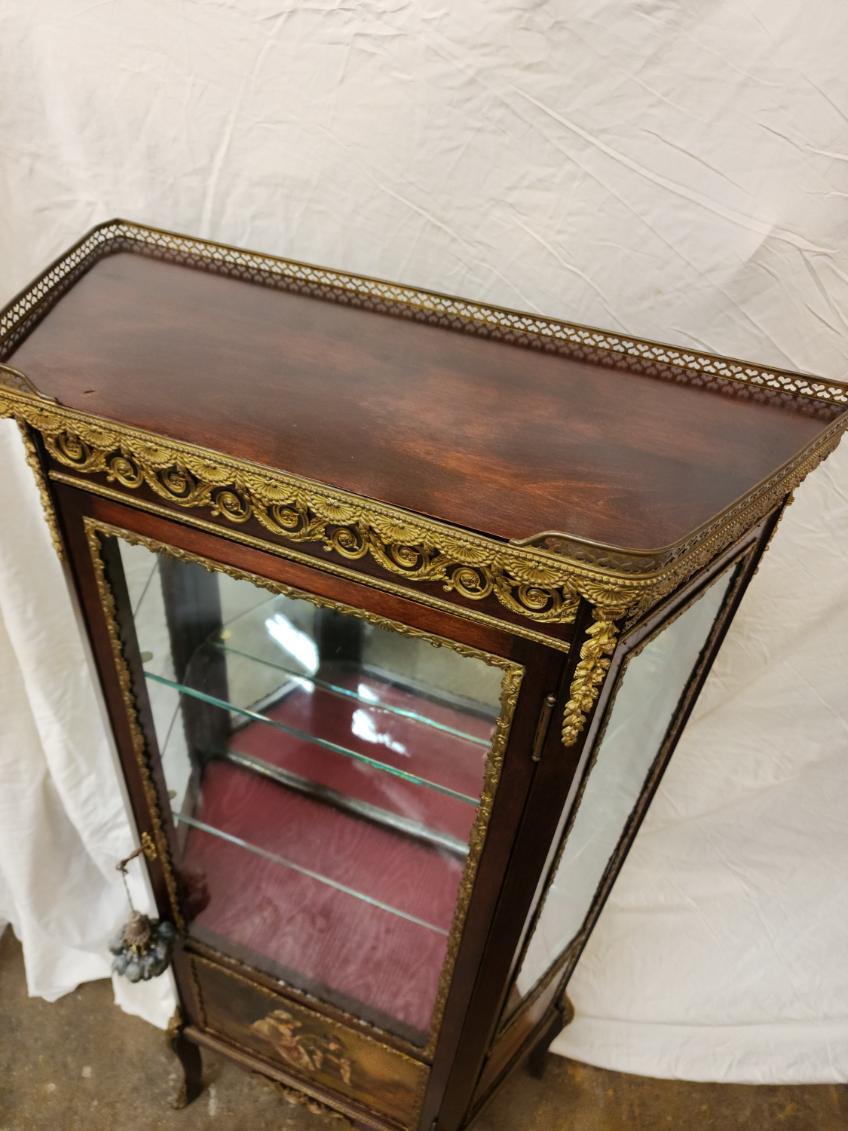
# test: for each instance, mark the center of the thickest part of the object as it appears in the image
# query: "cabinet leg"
(537, 1061)
(190, 1060)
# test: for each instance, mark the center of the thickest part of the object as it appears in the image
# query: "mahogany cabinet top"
(411, 398)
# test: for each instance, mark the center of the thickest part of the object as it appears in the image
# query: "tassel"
(143, 946)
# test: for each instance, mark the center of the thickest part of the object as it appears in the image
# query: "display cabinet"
(399, 604)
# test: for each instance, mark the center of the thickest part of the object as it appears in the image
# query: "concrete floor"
(82, 1065)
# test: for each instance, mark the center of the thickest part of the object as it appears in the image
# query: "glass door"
(324, 770)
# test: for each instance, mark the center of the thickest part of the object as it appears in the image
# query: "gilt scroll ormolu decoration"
(32, 458)
(301, 1099)
(590, 672)
(528, 583)
(537, 584)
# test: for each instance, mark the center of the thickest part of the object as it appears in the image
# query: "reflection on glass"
(324, 773)
(643, 708)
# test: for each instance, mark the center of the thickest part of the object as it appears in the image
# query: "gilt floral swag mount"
(540, 581)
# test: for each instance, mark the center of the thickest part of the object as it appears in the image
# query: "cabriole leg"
(190, 1060)
(538, 1058)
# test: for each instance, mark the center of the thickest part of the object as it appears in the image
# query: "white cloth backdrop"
(678, 170)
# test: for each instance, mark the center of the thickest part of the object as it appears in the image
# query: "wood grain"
(484, 435)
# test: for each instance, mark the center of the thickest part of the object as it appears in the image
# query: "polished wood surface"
(484, 435)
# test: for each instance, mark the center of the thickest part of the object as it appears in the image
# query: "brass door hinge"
(548, 704)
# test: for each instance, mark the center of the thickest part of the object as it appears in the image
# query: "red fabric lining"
(323, 939)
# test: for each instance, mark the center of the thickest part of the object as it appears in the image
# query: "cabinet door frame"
(83, 514)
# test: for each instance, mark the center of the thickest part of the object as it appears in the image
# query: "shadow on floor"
(82, 1065)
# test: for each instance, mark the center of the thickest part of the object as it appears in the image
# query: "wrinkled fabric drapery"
(677, 171)
(63, 813)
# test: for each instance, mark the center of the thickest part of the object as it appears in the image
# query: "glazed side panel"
(522, 1029)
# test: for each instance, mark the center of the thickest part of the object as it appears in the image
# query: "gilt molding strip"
(32, 458)
(539, 585)
(590, 672)
(331, 567)
(300, 511)
(138, 740)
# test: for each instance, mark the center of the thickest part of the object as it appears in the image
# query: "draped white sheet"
(676, 170)
(63, 811)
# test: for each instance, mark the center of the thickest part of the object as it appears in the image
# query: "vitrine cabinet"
(399, 604)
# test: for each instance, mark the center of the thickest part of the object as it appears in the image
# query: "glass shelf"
(299, 759)
(362, 694)
(268, 649)
(305, 736)
(273, 670)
